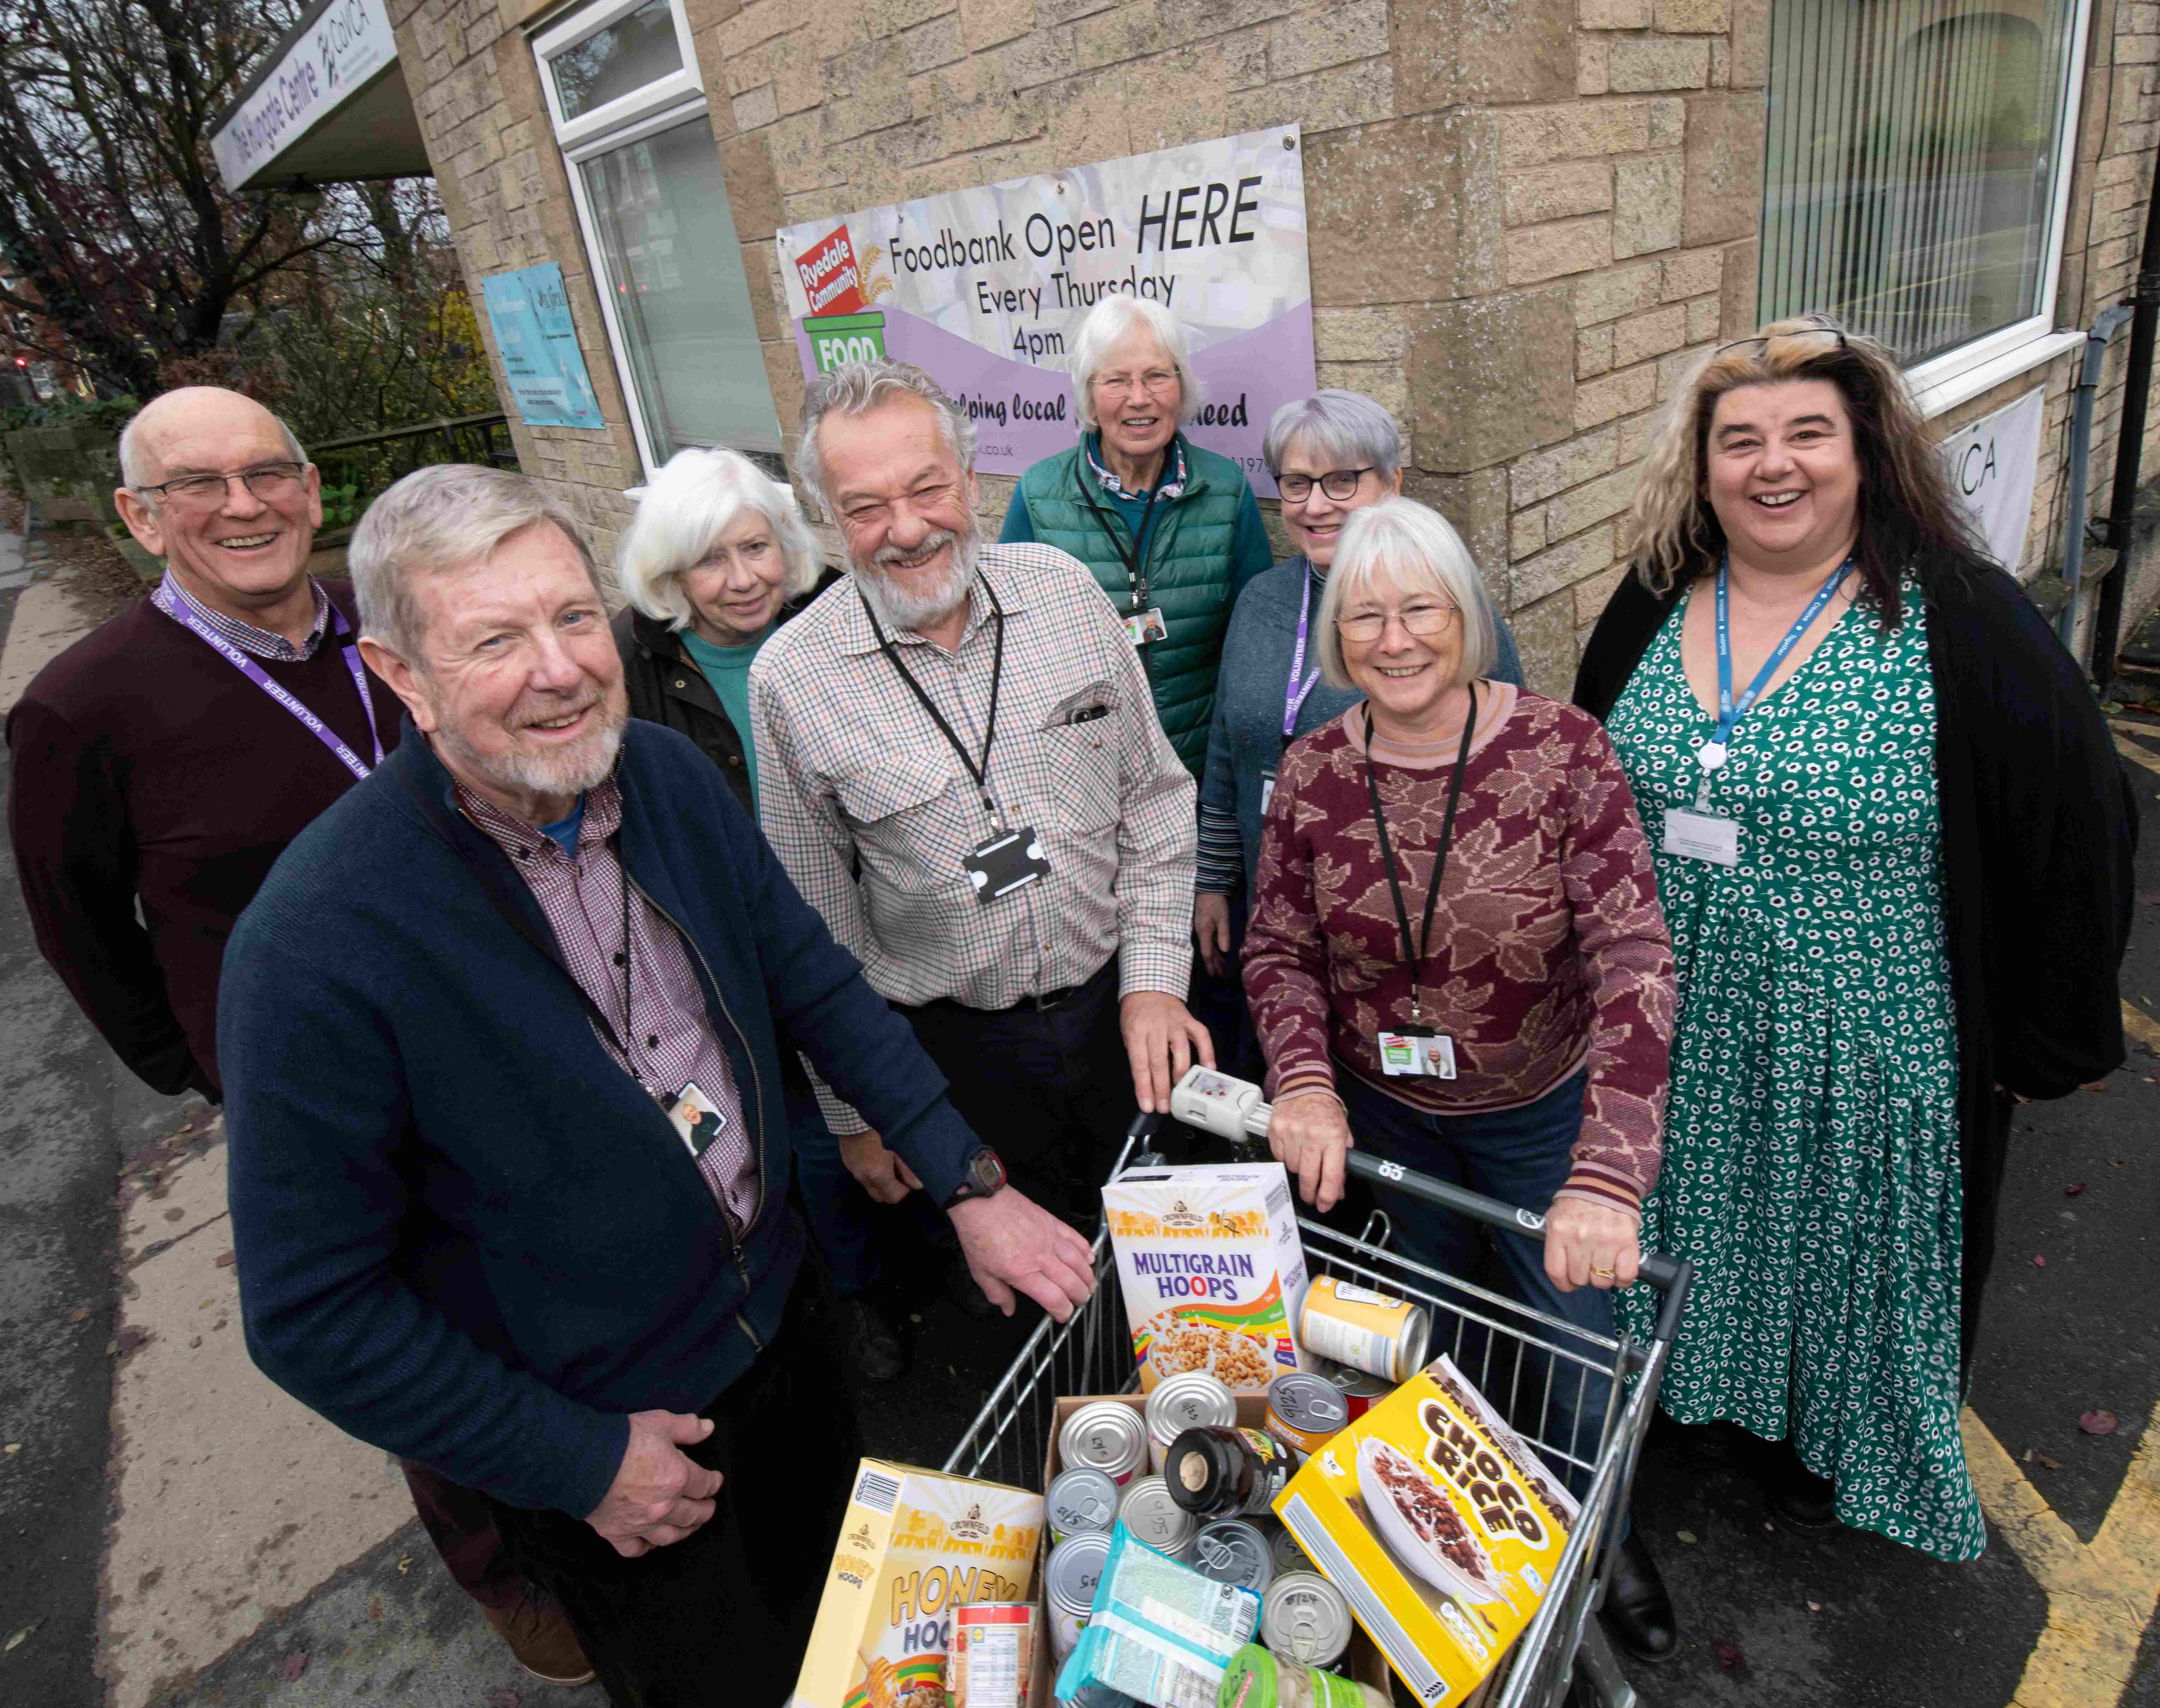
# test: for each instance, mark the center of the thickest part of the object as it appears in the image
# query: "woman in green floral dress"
(1820, 691)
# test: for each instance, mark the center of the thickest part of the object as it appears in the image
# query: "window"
(623, 90)
(1916, 172)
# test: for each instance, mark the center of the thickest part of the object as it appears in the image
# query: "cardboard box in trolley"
(1440, 1525)
(1212, 1269)
(915, 1545)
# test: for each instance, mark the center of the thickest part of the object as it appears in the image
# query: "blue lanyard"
(1295, 695)
(1713, 752)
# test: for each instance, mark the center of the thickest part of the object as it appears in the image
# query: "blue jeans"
(1521, 1156)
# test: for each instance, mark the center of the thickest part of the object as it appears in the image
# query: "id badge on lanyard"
(1417, 1050)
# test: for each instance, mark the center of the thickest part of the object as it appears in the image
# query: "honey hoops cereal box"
(1212, 1269)
(914, 1546)
(1441, 1528)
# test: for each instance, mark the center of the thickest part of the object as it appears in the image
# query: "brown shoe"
(541, 1641)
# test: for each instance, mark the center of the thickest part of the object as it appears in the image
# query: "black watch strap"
(985, 1175)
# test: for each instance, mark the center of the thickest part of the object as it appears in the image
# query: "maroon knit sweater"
(1548, 946)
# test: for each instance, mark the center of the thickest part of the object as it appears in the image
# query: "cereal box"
(1439, 1526)
(914, 1546)
(1212, 1269)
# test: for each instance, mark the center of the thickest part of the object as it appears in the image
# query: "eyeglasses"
(270, 482)
(1822, 328)
(1156, 381)
(1423, 620)
(1338, 484)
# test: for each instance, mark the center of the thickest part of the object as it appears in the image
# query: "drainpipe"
(2130, 445)
(2081, 414)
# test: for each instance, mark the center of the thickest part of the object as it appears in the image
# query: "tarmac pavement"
(183, 1533)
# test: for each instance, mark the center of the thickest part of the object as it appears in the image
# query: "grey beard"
(898, 608)
(585, 766)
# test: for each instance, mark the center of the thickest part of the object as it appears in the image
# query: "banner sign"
(538, 342)
(333, 57)
(1993, 462)
(986, 288)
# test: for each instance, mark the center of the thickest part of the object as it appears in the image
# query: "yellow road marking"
(2100, 1597)
(2140, 1026)
(2137, 755)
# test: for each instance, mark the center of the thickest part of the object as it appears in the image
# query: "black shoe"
(1638, 1611)
(1796, 1494)
(868, 1340)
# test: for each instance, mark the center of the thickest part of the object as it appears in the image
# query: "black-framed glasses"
(268, 481)
(1823, 328)
(1338, 484)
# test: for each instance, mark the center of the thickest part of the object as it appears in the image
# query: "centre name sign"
(347, 42)
(986, 288)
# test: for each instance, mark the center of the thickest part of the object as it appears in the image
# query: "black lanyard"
(1135, 575)
(979, 773)
(1415, 953)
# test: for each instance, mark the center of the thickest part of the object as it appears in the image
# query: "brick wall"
(1527, 216)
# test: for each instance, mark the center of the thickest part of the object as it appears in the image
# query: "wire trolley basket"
(1584, 1401)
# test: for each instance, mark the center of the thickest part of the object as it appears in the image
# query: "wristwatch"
(985, 1175)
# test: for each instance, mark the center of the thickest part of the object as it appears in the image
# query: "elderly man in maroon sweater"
(162, 764)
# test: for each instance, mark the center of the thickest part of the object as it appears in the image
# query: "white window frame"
(676, 86)
(1957, 375)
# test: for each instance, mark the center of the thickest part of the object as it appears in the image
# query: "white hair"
(856, 388)
(685, 508)
(433, 521)
(1106, 323)
(133, 473)
(1346, 429)
(1399, 540)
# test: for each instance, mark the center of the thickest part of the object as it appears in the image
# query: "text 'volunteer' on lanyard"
(1417, 1048)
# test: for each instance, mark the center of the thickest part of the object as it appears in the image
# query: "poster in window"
(530, 313)
(986, 288)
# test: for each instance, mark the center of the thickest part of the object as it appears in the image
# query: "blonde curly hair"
(1909, 519)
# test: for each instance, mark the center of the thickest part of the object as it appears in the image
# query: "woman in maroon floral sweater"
(1508, 1032)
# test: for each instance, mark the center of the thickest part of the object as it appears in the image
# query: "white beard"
(585, 765)
(913, 608)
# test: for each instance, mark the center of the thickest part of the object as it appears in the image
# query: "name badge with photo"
(1702, 836)
(1144, 626)
(1010, 861)
(1267, 792)
(1413, 1052)
(697, 1118)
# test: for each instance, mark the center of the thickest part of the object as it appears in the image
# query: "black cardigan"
(2038, 828)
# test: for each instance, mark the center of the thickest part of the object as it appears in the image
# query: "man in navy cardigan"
(510, 1042)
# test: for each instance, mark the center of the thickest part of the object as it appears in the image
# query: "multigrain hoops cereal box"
(1212, 1269)
(915, 1545)
(1440, 1525)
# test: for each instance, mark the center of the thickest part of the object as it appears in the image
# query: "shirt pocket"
(1076, 766)
(912, 817)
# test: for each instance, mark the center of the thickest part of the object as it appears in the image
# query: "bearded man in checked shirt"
(944, 698)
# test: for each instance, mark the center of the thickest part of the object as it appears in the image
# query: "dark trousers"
(723, 1615)
(1050, 1090)
(461, 1524)
(1219, 1005)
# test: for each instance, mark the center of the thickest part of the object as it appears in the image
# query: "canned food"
(1255, 1678)
(1289, 1557)
(993, 1654)
(1305, 1411)
(1069, 1577)
(1185, 1401)
(1234, 1550)
(1368, 1331)
(1080, 1500)
(1306, 1618)
(1106, 1436)
(1360, 1390)
(1154, 1519)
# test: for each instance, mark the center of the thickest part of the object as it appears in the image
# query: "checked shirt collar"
(262, 642)
(1173, 481)
(857, 637)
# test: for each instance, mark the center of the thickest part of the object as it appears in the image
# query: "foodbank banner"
(986, 288)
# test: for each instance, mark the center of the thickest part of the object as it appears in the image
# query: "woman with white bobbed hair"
(716, 558)
(1170, 531)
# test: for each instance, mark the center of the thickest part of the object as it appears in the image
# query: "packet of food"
(1212, 1270)
(915, 1546)
(1442, 1537)
(1159, 1632)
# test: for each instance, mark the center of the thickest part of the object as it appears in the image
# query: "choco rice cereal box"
(1440, 1525)
(1212, 1269)
(915, 1545)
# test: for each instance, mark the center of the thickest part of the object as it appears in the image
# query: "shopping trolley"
(1564, 1655)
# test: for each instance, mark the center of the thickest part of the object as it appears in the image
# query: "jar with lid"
(1218, 1473)
(1255, 1679)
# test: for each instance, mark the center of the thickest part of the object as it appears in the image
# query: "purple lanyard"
(165, 599)
(1293, 696)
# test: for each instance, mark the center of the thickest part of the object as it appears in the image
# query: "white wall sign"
(333, 57)
(1992, 463)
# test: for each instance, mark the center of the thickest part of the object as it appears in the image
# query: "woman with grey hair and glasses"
(1332, 453)
(716, 558)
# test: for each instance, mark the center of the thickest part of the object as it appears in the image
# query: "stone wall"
(1527, 217)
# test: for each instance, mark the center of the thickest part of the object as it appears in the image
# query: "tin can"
(1234, 1550)
(1080, 1500)
(1305, 1411)
(1360, 1390)
(1306, 1618)
(1368, 1331)
(993, 1654)
(1183, 1402)
(1154, 1519)
(1289, 1556)
(1069, 1577)
(1106, 1436)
